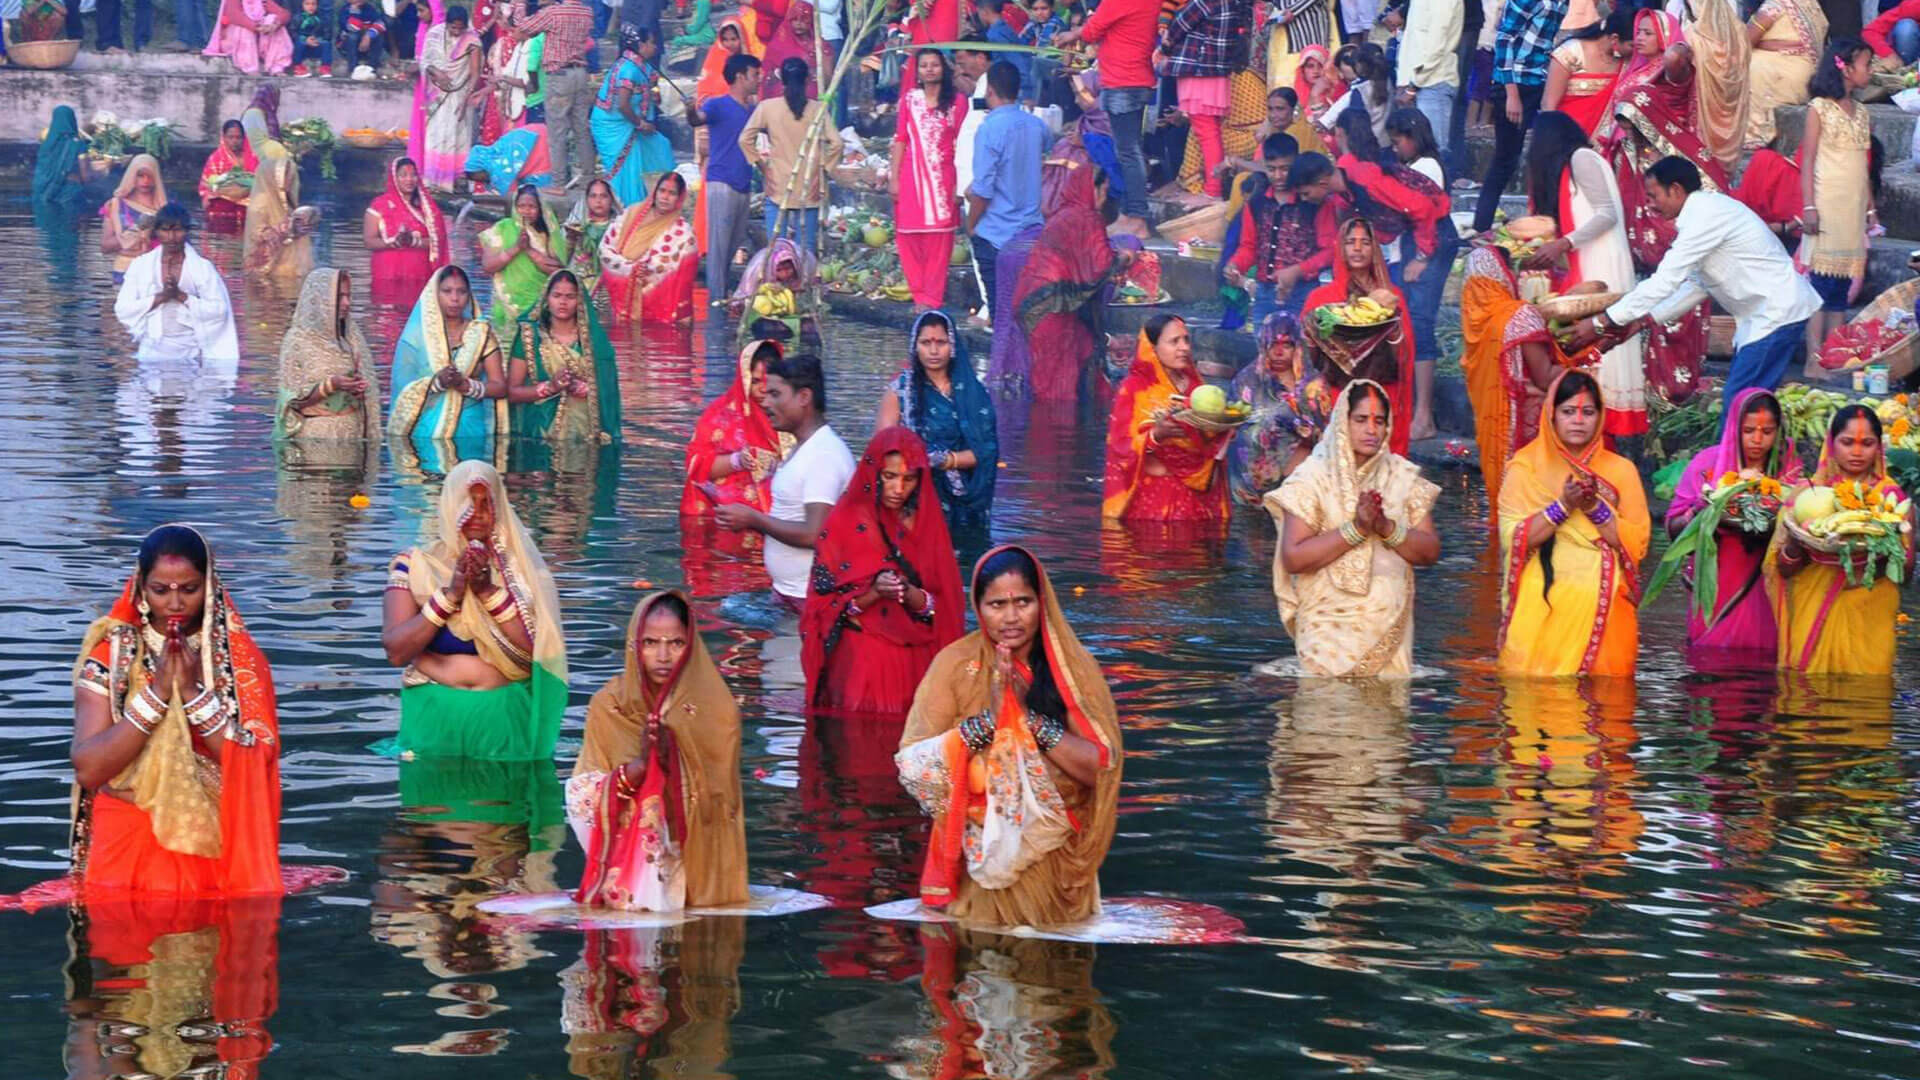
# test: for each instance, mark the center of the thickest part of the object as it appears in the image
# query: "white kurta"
(201, 327)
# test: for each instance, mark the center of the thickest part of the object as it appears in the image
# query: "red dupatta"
(421, 217)
(221, 162)
(1069, 264)
(862, 538)
(1146, 391)
(735, 421)
(1344, 288)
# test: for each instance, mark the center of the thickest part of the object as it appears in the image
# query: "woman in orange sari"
(649, 258)
(1160, 468)
(1361, 270)
(175, 743)
(885, 592)
(1018, 841)
(1573, 529)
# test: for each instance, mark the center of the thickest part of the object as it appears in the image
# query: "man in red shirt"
(1894, 37)
(1127, 32)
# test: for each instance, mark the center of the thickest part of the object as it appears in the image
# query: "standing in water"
(735, 446)
(805, 486)
(329, 388)
(521, 251)
(1826, 625)
(561, 377)
(473, 621)
(222, 195)
(1353, 523)
(1018, 698)
(655, 795)
(884, 595)
(406, 234)
(650, 258)
(939, 397)
(1361, 270)
(275, 241)
(173, 302)
(449, 381)
(1160, 468)
(176, 740)
(587, 223)
(126, 220)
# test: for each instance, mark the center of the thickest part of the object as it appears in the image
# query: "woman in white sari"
(450, 61)
(1353, 522)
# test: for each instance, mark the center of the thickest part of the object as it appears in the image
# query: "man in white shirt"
(1723, 250)
(1429, 73)
(805, 486)
(173, 302)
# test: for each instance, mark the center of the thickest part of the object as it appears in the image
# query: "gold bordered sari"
(424, 412)
(313, 351)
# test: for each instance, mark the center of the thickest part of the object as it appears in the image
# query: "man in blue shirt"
(729, 179)
(1004, 200)
(994, 24)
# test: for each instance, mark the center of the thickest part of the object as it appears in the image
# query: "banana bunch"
(1808, 410)
(1365, 311)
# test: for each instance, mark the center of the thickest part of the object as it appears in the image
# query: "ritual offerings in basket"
(1884, 332)
(1357, 340)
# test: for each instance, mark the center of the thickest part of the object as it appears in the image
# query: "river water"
(1696, 874)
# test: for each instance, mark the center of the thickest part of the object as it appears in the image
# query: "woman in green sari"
(561, 376)
(449, 380)
(589, 220)
(520, 251)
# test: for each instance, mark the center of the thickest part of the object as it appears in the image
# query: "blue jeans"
(799, 225)
(1423, 296)
(1266, 301)
(1905, 39)
(1436, 104)
(1127, 109)
(322, 53)
(1763, 363)
(190, 23)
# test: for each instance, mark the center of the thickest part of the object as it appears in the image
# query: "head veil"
(237, 822)
(395, 212)
(57, 159)
(1726, 456)
(313, 349)
(700, 747)
(142, 163)
(606, 372)
(760, 269)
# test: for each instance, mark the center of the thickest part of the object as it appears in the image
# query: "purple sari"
(1744, 620)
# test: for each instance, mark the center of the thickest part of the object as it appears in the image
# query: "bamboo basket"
(1207, 225)
(43, 55)
(1720, 335)
(1904, 355)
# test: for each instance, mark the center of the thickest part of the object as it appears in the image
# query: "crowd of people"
(1011, 740)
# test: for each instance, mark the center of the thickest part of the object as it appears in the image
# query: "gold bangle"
(1399, 535)
(1351, 534)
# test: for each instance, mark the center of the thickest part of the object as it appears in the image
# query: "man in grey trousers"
(729, 178)
(569, 29)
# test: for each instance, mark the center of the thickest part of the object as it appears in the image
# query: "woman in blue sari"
(515, 158)
(632, 149)
(941, 398)
(449, 379)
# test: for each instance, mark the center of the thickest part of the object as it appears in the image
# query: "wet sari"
(421, 411)
(1190, 484)
(1353, 617)
(1064, 277)
(519, 721)
(676, 839)
(1826, 626)
(132, 219)
(1031, 859)
(179, 820)
(1743, 617)
(1587, 622)
(871, 660)
(273, 244)
(520, 284)
(564, 418)
(962, 419)
(650, 260)
(1288, 412)
(1393, 352)
(398, 273)
(224, 214)
(583, 242)
(313, 351)
(734, 421)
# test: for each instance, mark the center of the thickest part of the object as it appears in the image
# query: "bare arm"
(493, 260)
(1302, 551)
(1810, 142)
(370, 231)
(496, 371)
(1557, 78)
(889, 414)
(800, 534)
(1077, 757)
(1422, 545)
(405, 633)
(1538, 358)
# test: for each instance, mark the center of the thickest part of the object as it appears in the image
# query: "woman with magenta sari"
(176, 744)
(1056, 297)
(885, 592)
(1160, 468)
(940, 399)
(1752, 444)
(521, 251)
(650, 259)
(1827, 625)
(472, 618)
(406, 234)
(655, 795)
(1019, 839)
(561, 377)
(449, 380)
(1573, 529)
(926, 194)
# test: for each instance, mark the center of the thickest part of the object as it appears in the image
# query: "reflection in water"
(1006, 1008)
(869, 838)
(314, 483)
(653, 1002)
(161, 987)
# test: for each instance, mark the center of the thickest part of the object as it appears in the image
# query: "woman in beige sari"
(1721, 58)
(1787, 37)
(329, 388)
(275, 243)
(1354, 522)
(655, 795)
(1013, 746)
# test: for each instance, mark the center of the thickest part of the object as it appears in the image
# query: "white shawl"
(209, 313)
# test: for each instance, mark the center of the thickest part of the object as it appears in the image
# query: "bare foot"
(1422, 428)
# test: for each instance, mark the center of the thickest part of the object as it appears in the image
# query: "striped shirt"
(1523, 44)
(569, 29)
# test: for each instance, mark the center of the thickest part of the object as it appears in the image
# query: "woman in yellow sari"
(276, 245)
(655, 795)
(329, 388)
(1573, 529)
(1787, 37)
(1827, 626)
(1013, 746)
(126, 220)
(1353, 522)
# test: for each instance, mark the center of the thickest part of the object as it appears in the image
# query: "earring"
(143, 607)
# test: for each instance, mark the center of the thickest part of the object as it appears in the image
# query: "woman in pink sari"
(1656, 113)
(406, 234)
(1752, 441)
(925, 188)
(253, 33)
(417, 130)
(795, 37)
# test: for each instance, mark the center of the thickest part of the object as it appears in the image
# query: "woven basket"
(42, 55)
(375, 141)
(1904, 355)
(1208, 225)
(1569, 308)
(1720, 335)
(1210, 423)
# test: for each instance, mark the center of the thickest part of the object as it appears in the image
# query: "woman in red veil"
(1358, 271)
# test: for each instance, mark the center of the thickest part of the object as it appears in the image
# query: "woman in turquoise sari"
(472, 616)
(449, 380)
(631, 147)
(515, 158)
(60, 168)
(520, 251)
(561, 377)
